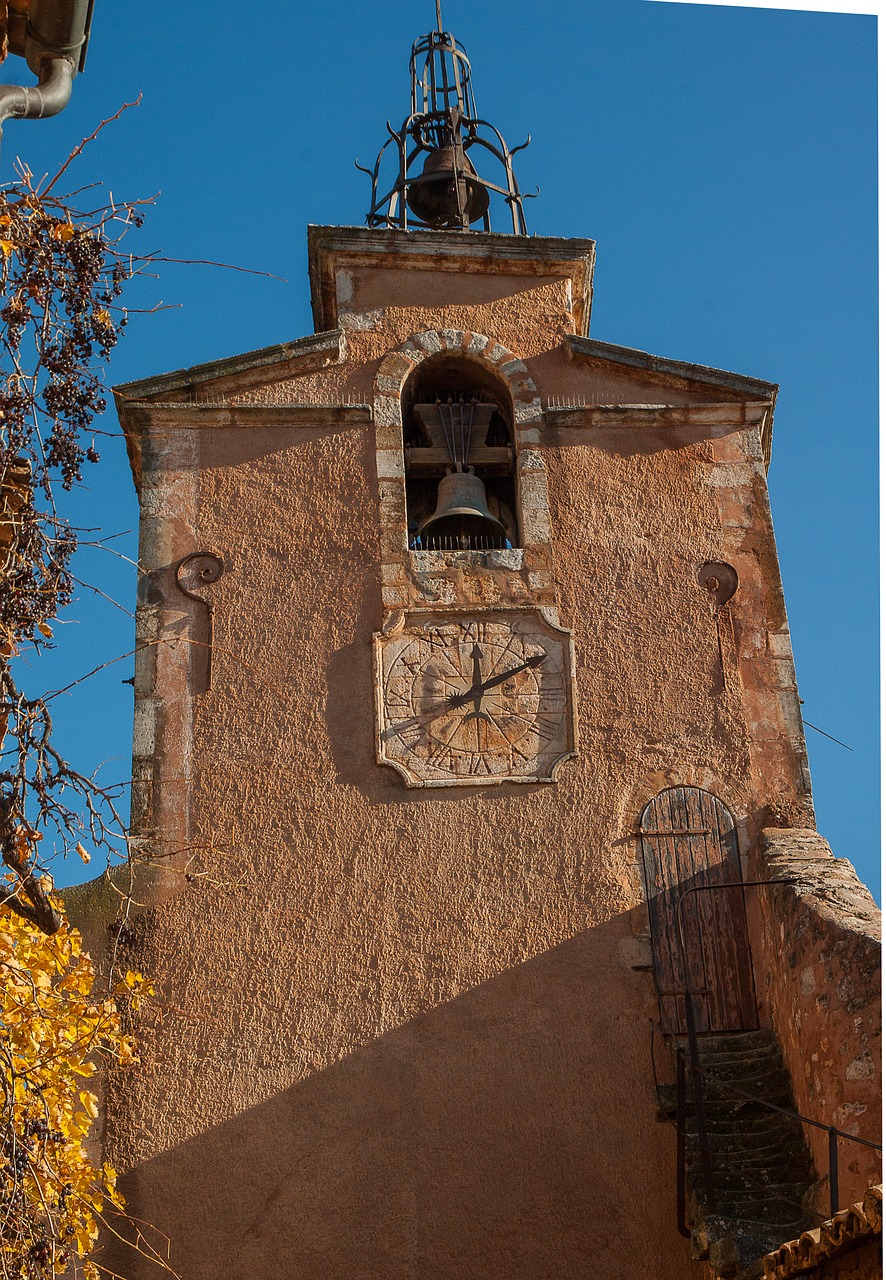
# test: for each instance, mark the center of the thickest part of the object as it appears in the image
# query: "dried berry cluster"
(62, 271)
(61, 275)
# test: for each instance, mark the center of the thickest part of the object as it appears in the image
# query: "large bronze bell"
(432, 195)
(462, 520)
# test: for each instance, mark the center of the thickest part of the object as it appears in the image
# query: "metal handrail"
(832, 1132)
(698, 1074)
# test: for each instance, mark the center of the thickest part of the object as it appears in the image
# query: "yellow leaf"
(6, 247)
(45, 629)
(87, 857)
(90, 1104)
(51, 1023)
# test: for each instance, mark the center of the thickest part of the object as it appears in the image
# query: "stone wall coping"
(846, 1230)
(829, 885)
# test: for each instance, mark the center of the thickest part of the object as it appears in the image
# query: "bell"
(432, 195)
(462, 520)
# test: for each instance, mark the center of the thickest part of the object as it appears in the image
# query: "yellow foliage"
(61, 231)
(52, 1029)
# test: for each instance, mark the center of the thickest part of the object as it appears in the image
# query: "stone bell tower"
(466, 729)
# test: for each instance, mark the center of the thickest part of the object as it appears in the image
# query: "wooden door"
(689, 845)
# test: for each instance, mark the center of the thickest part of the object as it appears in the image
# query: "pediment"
(233, 375)
(625, 384)
(646, 376)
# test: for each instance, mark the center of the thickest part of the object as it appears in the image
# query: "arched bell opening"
(458, 448)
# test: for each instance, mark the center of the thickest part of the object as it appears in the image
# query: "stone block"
(429, 342)
(386, 411)
(388, 382)
(780, 644)
(389, 463)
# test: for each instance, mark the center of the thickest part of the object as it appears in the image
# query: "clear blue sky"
(724, 160)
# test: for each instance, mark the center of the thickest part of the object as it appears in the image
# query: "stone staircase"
(761, 1168)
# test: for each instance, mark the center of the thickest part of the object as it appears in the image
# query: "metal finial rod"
(439, 17)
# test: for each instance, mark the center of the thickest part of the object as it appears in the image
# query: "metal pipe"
(697, 1075)
(833, 1173)
(682, 1225)
(47, 98)
(55, 48)
(56, 29)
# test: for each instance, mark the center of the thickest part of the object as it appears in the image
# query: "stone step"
(746, 1057)
(746, 1148)
(759, 1161)
(748, 1181)
(733, 1042)
(759, 1069)
(722, 1158)
(773, 1211)
(726, 1109)
(736, 1248)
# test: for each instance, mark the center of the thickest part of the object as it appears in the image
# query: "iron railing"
(698, 1074)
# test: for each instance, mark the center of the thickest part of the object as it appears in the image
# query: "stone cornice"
(728, 413)
(488, 252)
(143, 417)
(700, 374)
(241, 372)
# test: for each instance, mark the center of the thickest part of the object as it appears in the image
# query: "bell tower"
(476, 831)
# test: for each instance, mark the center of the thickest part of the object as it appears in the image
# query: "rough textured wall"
(863, 1263)
(405, 1034)
(404, 1014)
(822, 966)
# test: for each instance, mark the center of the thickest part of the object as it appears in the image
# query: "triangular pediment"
(234, 374)
(643, 371)
(625, 384)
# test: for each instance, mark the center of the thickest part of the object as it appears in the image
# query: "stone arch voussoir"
(397, 365)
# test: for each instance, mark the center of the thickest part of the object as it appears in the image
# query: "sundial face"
(474, 699)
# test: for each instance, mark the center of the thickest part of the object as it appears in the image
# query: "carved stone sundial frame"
(468, 699)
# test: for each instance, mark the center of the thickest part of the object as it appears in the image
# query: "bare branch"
(80, 145)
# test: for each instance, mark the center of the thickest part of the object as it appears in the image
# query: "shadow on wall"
(510, 1132)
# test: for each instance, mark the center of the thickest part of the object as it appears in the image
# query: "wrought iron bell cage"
(436, 183)
(441, 80)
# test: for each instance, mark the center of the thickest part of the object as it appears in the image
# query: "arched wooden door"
(689, 846)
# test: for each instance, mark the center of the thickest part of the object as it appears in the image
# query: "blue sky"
(724, 159)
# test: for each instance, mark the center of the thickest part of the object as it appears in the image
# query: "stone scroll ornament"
(469, 699)
(720, 581)
(201, 569)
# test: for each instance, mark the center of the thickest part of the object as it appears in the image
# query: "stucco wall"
(405, 1034)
